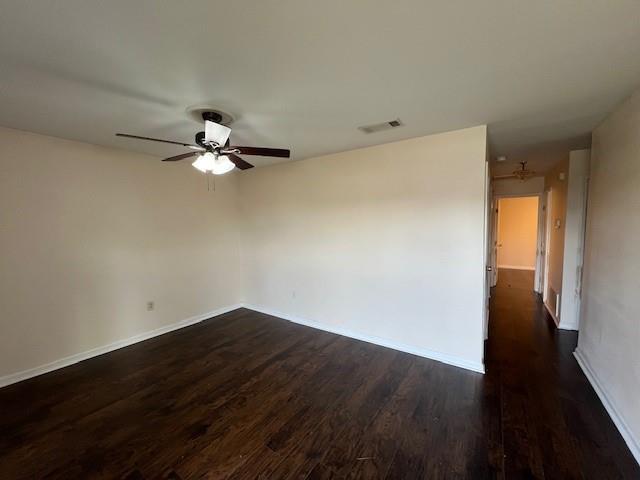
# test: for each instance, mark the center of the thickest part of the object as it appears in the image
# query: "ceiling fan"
(213, 150)
(523, 174)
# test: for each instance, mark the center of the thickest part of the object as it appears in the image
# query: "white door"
(580, 267)
(583, 239)
(575, 223)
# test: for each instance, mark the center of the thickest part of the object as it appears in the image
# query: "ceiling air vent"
(379, 127)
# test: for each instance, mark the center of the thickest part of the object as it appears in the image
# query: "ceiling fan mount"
(196, 112)
(212, 146)
(212, 117)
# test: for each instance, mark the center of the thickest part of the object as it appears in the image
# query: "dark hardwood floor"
(249, 396)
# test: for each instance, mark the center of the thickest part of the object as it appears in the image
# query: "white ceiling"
(305, 74)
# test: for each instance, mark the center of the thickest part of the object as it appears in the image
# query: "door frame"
(541, 243)
(488, 204)
(495, 228)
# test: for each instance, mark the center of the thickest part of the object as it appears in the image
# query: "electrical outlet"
(150, 306)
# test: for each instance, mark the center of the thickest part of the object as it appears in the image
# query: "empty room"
(312, 240)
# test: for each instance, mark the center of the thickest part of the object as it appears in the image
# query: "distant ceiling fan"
(522, 174)
(212, 148)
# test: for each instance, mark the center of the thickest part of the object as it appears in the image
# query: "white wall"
(89, 234)
(573, 239)
(609, 341)
(382, 243)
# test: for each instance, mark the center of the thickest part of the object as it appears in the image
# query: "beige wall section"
(558, 213)
(89, 234)
(517, 232)
(532, 186)
(609, 341)
(384, 242)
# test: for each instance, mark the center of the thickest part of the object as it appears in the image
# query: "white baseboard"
(78, 357)
(430, 354)
(616, 416)
(567, 326)
(94, 352)
(552, 313)
(517, 267)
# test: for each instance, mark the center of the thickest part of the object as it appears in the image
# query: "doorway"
(518, 239)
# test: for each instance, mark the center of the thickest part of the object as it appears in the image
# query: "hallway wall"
(517, 232)
(558, 215)
(609, 341)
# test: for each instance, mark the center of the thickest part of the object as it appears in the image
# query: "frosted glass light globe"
(216, 164)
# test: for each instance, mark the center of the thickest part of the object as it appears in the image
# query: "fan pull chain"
(209, 176)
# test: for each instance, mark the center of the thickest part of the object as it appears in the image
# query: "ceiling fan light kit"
(216, 164)
(212, 147)
(523, 174)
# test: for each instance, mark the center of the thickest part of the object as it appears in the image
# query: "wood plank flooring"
(246, 396)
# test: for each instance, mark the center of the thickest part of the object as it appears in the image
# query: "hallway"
(552, 423)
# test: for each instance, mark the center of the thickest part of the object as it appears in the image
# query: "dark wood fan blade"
(180, 157)
(238, 162)
(137, 137)
(264, 152)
